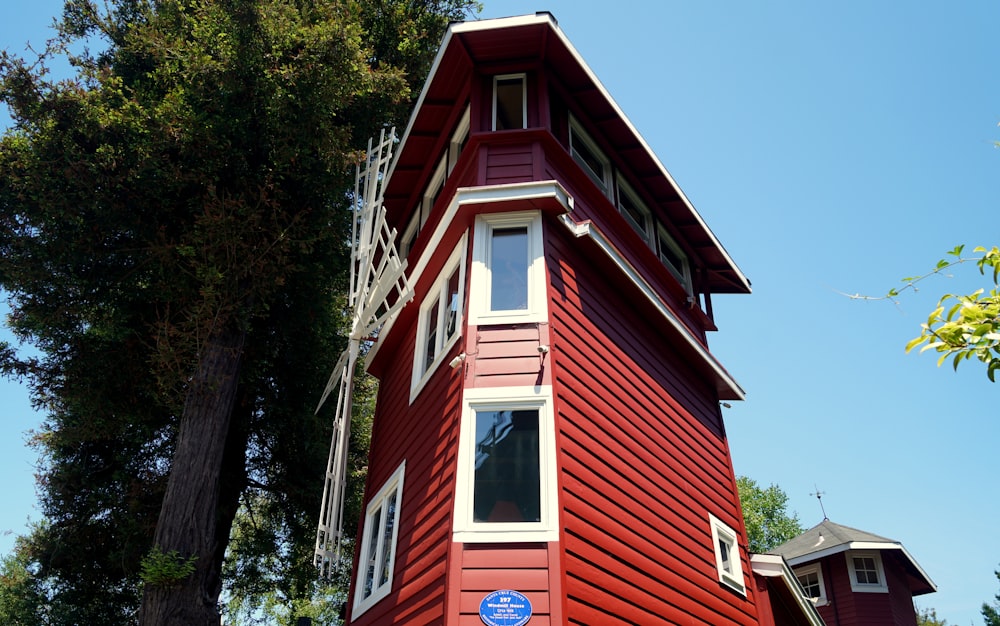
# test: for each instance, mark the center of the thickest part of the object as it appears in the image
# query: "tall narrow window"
(506, 480)
(510, 102)
(378, 544)
(506, 487)
(440, 322)
(727, 555)
(508, 269)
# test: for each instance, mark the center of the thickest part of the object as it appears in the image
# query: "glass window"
(509, 102)
(635, 213)
(589, 157)
(508, 269)
(727, 555)
(811, 579)
(440, 322)
(866, 572)
(378, 544)
(506, 486)
(673, 257)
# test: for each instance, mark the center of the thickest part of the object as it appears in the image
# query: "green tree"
(928, 617)
(765, 513)
(172, 241)
(963, 327)
(991, 613)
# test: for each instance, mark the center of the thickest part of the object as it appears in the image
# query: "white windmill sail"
(378, 289)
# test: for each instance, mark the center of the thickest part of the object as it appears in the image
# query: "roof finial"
(819, 496)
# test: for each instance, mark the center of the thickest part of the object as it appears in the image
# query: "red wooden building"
(856, 578)
(548, 418)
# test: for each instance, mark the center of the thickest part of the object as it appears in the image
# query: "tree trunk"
(188, 520)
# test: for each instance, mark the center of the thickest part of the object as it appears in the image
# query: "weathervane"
(819, 496)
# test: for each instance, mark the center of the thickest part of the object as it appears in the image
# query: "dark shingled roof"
(823, 537)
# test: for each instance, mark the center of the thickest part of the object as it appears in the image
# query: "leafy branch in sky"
(961, 327)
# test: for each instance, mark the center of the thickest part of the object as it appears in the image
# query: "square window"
(378, 544)
(506, 483)
(589, 157)
(811, 579)
(510, 102)
(727, 555)
(440, 321)
(866, 571)
(508, 269)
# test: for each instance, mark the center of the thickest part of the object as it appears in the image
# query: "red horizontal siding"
(426, 436)
(507, 355)
(522, 567)
(509, 163)
(643, 456)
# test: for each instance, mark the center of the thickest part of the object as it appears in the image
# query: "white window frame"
(732, 576)
(458, 139)
(683, 273)
(579, 136)
(647, 230)
(881, 587)
(819, 600)
(507, 398)
(377, 505)
(437, 299)
(524, 97)
(480, 286)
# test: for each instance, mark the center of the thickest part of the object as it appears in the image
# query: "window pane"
(810, 583)
(509, 103)
(451, 310)
(507, 478)
(725, 554)
(387, 547)
(373, 525)
(430, 345)
(592, 164)
(509, 269)
(634, 214)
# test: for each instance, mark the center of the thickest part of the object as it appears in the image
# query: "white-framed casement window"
(458, 139)
(867, 575)
(811, 579)
(586, 153)
(673, 257)
(439, 324)
(506, 480)
(510, 102)
(727, 555)
(508, 269)
(378, 544)
(635, 212)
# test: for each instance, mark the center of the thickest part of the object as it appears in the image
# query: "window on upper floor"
(673, 257)
(508, 272)
(811, 579)
(866, 571)
(439, 324)
(378, 544)
(436, 184)
(727, 555)
(506, 480)
(589, 156)
(510, 102)
(635, 212)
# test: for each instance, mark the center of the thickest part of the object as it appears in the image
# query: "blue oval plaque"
(505, 608)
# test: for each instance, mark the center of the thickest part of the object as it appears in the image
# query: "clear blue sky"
(832, 147)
